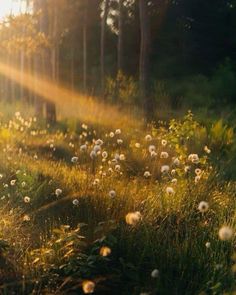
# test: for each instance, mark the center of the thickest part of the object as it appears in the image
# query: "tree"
(144, 56)
(120, 36)
(41, 7)
(102, 44)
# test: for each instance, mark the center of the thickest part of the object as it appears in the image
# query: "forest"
(117, 147)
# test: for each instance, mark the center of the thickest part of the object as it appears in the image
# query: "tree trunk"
(102, 49)
(85, 27)
(41, 5)
(120, 36)
(144, 57)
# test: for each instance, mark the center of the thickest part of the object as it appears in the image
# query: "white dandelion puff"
(155, 274)
(133, 218)
(164, 142)
(165, 168)
(203, 206)
(225, 233)
(58, 192)
(148, 137)
(164, 155)
(27, 199)
(74, 159)
(147, 174)
(112, 194)
(75, 202)
(170, 191)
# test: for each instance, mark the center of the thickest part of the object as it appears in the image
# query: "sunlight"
(71, 103)
(11, 7)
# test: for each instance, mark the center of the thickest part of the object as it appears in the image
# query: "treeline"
(125, 50)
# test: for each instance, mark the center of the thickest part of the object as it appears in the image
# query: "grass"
(53, 241)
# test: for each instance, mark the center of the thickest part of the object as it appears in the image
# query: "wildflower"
(26, 199)
(96, 181)
(176, 161)
(93, 154)
(83, 148)
(13, 182)
(118, 131)
(174, 180)
(165, 169)
(105, 251)
(137, 145)
(148, 137)
(58, 192)
(99, 142)
(84, 126)
(75, 202)
(117, 168)
(104, 155)
(151, 148)
(153, 154)
(170, 190)
(207, 150)
(208, 244)
(112, 194)
(97, 148)
(155, 274)
(225, 233)
(147, 174)
(187, 169)
(173, 172)
(88, 287)
(164, 142)
(111, 134)
(203, 206)
(133, 218)
(74, 159)
(119, 141)
(197, 178)
(122, 157)
(193, 158)
(164, 155)
(198, 171)
(23, 184)
(117, 157)
(26, 217)
(1, 176)
(110, 170)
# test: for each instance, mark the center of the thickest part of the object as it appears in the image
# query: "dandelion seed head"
(148, 137)
(225, 233)
(155, 274)
(112, 194)
(133, 218)
(164, 142)
(203, 206)
(118, 131)
(58, 192)
(74, 159)
(104, 154)
(88, 287)
(119, 141)
(208, 245)
(105, 251)
(27, 199)
(165, 168)
(164, 155)
(147, 174)
(75, 202)
(170, 191)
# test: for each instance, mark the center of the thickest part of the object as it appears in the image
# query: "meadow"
(91, 209)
